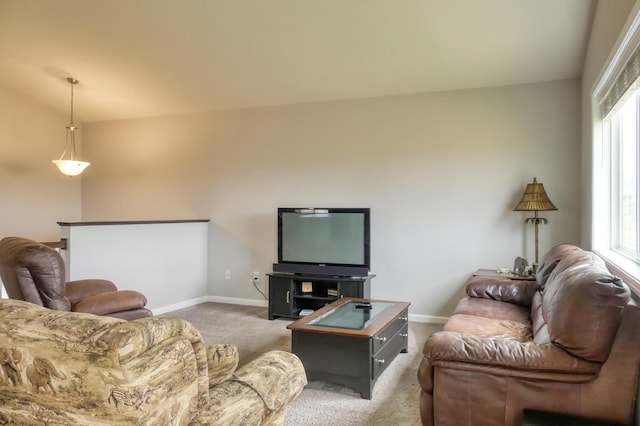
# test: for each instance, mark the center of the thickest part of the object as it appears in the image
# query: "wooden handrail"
(62, 244)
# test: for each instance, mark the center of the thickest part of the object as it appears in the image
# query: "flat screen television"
(324, 241)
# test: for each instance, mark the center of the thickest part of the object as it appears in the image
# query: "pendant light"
(70, 166)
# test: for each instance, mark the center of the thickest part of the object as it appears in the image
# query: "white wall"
(34, 195)
(441, 173)
(167, 262)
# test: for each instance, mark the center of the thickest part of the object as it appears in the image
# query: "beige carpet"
(395, 395)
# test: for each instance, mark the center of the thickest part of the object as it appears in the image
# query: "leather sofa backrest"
(33, 272)
(572, 257)
(550, 261)
(582, 305)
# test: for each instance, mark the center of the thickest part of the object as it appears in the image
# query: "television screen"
(327, 236)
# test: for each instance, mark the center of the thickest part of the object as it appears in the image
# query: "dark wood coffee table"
(351, 345)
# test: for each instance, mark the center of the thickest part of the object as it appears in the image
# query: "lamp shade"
(534, 199)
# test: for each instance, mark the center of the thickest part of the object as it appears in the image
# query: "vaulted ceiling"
(137, 58)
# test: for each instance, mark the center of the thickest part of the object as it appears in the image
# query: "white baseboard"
(237, 301)
(181, 305)
(428, 318)
(204, 299)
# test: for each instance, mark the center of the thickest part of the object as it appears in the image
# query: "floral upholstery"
(68, 368)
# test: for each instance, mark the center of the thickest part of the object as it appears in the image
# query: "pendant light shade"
(71, 167)
(68, 164)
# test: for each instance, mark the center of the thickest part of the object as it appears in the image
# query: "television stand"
(290, 294)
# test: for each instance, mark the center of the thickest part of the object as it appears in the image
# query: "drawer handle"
(288, 300)
(404, 335)
(404, 318)
(379, 361)
(382, 339)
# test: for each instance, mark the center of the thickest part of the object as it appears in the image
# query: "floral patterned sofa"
(67, 368)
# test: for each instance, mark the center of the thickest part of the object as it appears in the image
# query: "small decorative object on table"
(520, 266)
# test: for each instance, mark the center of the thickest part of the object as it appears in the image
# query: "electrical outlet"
(256, 275)
(227, 274)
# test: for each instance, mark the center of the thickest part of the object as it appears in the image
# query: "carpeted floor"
(395, 395)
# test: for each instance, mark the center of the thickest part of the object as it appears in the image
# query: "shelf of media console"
(311, 296)
(287, 298)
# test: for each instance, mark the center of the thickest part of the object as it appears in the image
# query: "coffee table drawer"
(380, 339)
(388, 353)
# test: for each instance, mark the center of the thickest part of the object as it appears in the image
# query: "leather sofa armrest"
(526, 359)
(519, 292)
(222, 361)
(111, 302)
(278, 377)
(79, 289)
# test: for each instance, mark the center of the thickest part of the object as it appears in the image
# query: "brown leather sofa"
(566, 343)
(35, 273)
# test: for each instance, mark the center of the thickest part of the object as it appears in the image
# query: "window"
(622, 127)
(616, 159)
(627, 223)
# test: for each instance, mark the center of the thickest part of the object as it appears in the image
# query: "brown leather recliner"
(568, 343)
(35, 273)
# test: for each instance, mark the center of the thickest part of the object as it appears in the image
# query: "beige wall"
(609, 18)
(33, 194)
(441, 173)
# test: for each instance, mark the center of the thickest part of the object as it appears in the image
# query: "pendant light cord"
(72, 84)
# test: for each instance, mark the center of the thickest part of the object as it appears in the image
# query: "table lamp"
(535, 199)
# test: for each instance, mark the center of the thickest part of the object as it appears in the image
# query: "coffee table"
(350, 344)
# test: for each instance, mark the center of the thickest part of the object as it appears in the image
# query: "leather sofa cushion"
(492, 309)
(582, 305)
(506, 357)
(488, 328)
(502, 289)
(79, 289)
(108, 303)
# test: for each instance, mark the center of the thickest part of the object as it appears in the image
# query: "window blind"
(623, 86)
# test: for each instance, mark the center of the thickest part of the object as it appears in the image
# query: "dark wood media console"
(289, 293)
